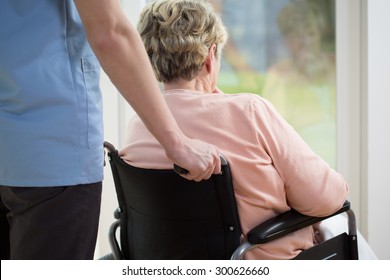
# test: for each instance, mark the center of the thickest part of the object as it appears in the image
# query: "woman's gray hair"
(177, 35)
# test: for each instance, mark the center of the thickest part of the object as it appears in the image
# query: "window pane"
(284, 50)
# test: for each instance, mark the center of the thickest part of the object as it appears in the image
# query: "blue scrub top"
(51, 126)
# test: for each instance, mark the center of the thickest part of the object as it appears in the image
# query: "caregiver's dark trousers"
(49, 223)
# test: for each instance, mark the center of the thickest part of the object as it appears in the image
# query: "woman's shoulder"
(248, 98)
(244, 101)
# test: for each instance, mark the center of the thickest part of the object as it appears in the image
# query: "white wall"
(378, 126)
(363, 45)
(349, 92)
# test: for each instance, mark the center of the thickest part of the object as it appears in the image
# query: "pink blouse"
(273, 169)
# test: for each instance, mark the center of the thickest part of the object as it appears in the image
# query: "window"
(284, 50)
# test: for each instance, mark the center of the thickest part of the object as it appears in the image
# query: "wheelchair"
(163, 216)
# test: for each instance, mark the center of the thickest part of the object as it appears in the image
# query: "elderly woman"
(273, 169)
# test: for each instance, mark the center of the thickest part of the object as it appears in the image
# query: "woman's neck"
(195, 85)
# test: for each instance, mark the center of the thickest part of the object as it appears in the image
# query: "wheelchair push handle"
(180, 170)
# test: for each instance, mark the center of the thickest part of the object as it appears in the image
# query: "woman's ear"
(210, 58)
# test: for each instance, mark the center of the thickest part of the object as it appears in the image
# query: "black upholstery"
(164, 216)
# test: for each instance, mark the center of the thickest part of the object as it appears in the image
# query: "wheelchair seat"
(161, 216)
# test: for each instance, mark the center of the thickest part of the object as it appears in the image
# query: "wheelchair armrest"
(286, 223)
